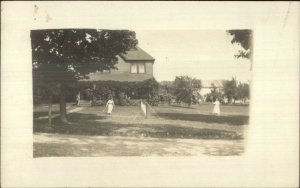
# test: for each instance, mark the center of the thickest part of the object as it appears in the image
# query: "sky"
(201, 54)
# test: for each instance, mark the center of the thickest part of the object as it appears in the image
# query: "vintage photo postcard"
(150, 94)
(99, 93)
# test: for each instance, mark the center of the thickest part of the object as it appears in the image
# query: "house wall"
(123, 72)
(206, 90)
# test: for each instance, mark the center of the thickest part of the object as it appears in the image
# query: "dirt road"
(46, 145)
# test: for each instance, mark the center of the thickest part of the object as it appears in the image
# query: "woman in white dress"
(216, 109)
(110, 105)
(78, 98)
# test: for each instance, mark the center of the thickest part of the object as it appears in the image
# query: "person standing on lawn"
(216, 109)
(110, 105)
(78, 98)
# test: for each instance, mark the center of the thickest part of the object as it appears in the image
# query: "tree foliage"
(243, 91)
(61, 57)
(233, 90)
(71, 54)
(244, 38)
(214, 95)
(184, 88)
(101, 90)
(230, 89)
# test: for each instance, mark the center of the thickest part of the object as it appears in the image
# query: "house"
(135, 65)
(209, 85)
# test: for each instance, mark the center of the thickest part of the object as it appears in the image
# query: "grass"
(163, 122)
(41, 110)
(47, 145)
(231, 115)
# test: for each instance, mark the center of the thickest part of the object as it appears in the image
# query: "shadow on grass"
(41, 114)
(231, 120)
(86, 124)
(180, 106)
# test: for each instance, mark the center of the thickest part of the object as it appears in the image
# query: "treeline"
(187, 90)
(231, 91)
(183, 89)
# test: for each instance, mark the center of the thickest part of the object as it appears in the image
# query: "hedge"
(123, 93)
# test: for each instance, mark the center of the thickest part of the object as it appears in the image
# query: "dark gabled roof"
(137, 54)
(211, 83)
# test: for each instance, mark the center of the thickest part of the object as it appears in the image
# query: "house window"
(141, 68)
(134, 68)
(137, 68)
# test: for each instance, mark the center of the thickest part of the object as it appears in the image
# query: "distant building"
(135, 65)
(208, 85)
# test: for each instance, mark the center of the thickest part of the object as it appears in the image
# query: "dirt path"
(69, 111)
(46, 145)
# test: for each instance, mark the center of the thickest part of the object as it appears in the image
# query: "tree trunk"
(63, 109)
(50, 111)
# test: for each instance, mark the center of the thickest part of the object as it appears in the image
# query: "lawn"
(163, 123)
(41, 110)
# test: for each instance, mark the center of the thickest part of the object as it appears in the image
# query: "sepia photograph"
(149, 94)
(140, 93)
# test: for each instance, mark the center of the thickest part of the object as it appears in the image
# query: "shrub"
(184, 88)
(153, 101)
(213, 95)
(122, 92)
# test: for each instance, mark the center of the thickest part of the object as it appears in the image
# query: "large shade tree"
(61, 57)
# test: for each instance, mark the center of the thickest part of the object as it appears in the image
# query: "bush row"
(123, 93)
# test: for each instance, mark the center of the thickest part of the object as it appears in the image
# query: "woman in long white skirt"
(110, 105)
(216, 109)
